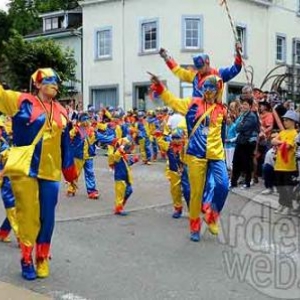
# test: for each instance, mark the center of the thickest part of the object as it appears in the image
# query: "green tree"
(24, 16)
(5, 25)
(21, 58)
(44, 6)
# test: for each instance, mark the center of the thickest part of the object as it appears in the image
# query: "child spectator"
(268, 171)
(285, 163)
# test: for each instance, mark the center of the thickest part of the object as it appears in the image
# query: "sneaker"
(93, 195)
(70, 194)
(244, 187)
(28, 271)
(121, 213)
(233, 189)
(267, 191)
(195, 236)
(177, 214)
(42, 268)
(5, 239)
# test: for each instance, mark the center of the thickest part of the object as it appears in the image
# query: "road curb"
(12, 292)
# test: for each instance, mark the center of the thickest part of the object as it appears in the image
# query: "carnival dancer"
(123, 174)
(39, 121)
(202, 69)
(142, 137)
(7, 195)
(197, 76)
(84, 138)
(152, 126)
(205, 118)
(176, 169)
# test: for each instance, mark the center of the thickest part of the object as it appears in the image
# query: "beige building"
(121, 40)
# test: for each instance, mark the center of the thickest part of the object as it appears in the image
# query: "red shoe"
(93, 195)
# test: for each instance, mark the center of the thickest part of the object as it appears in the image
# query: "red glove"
(135, 158)
(157, 88)
(238, 56)
(70, 173)
(157, 133)
(114, 142)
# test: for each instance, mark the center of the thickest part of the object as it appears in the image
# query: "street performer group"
(40, 143)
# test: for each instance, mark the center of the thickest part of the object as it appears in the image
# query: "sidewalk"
(12, 292)
(254, 194)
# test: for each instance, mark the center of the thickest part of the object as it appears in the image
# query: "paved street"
(148, 255)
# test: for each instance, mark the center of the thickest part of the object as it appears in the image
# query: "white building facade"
(121, 40)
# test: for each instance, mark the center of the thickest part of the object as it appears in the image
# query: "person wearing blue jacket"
(247, 134)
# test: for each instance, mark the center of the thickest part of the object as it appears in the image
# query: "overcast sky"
(3, 4)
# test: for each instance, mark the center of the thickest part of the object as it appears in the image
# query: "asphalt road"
(148, 255)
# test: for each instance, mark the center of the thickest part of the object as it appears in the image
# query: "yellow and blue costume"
(197, 77)
(176, 172)
(83, 140)
(123, 174)
(37, 194)
(152, 126)
(143, 138)
(205, 149)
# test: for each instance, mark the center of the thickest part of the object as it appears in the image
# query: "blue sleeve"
(230, 72)
(104, 138)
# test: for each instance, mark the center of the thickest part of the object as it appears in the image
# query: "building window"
(149, 36)
(297, 52)
(280, 48)
(241, 31)
(192, 32)
(104, 43)
(104, 96)
(51, 23)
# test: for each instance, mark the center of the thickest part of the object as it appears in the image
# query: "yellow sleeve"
(181, 105)
(102, 126)
(117, 156)
(73, 132)
(9, 101)
(162, 144)
(92, 138)
(184, 74)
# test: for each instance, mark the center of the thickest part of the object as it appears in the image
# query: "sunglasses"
(209, 87)
(50, 80)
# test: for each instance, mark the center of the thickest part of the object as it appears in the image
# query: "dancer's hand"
(238, 48)
(156, 86)
(163, 53)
